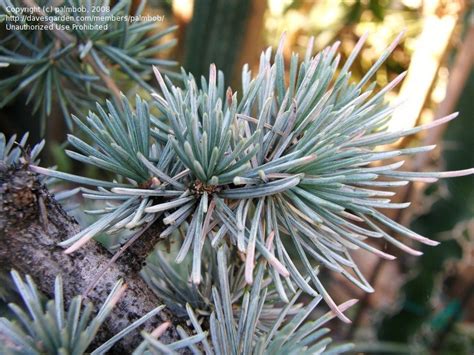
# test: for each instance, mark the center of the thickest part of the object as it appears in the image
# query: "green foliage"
(169, 281)
(253, 330)
(203, 128)
(69, 65)
(256, 189)
(47, 327)
(260, 188)
(150, 345)
(287, 165)
(242, 320)
(11, 151)
(50, 328)
(117, 142)
(120, 146)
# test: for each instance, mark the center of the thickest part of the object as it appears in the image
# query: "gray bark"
(32, 223)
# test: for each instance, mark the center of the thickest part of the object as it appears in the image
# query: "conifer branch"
(29, 245)
(67, 40)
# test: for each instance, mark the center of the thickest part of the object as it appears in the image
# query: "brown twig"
(439, 21)
(108, 81)
(458, 76)
(117, 255)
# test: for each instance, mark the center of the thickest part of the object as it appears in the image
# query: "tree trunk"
(32, 223)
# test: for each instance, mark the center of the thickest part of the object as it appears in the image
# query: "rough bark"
(32, 223)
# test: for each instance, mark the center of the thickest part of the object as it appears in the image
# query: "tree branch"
(32, 223)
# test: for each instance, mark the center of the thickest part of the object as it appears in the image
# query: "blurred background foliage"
(421, 305)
